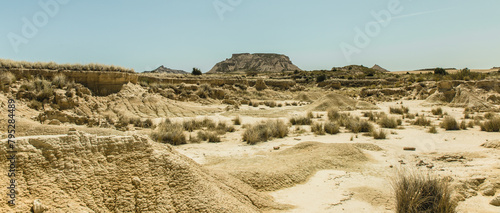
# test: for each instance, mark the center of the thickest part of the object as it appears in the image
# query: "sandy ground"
(369, 188)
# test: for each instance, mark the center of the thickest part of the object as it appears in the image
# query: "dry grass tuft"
(491, 125)
(237, 120)
(387, 122)
(422, 121)
(399, 110)
(168, 132)
(449, 123)
(379, 135)
(433, 130)
(332, 128)
(300, 120)
(417, 192)
(265, 131)
(437, 111)
(318, 129)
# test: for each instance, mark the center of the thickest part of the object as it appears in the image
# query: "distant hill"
(432, 69)
(379, 68)
(163, 69)
(259, 62)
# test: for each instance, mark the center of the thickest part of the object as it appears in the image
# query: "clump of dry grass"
(417, 192)
(463, 125)
(433, 130)
(357, 125)
(422, 121)
(379, 135)
(11, 64)
(332, 128)
(491, 125)
(333, 114)
(387, 122)
(449, 123)
(399, 110)
(237, 120)
(437, 111)
(6, 79)
(168, 132)
(300, 120)
(211, 137)
(271, 104)
(265, 131)
(318, 129)
(60, 81)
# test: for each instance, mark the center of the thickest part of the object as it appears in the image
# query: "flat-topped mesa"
(258, 62)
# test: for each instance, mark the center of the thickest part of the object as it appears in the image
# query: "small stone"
(488, 190)
(136, 181)
(495, 201)
(38, 207)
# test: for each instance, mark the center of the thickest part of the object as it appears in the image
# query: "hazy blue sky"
(182, 34)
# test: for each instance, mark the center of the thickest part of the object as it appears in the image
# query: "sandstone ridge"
(259, 62)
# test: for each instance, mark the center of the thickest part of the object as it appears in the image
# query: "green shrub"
(332, 128)
(440, 71)
(422, 193)
(387, 122)
(300, 120)
(265, 131)
(449, 123)
(171, 133)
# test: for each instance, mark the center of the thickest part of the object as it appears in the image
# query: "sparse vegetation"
(196, 71)
(332, 128)
(11, 64)
(387, 122)
(399, 110)
(168, 132)
(491, 125)
(6, 79)
(449, 123)
(333, 114)
(379, 135)
(300, 120)
(422, 193)
(437, 111)
(433, 130)
(318, 129)
(265, 131)
(422, 121)
(60, 81)
(237, 120)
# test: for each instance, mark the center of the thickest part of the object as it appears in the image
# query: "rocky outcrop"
(259, 62)
(79, 172)
(100, 83)
(166, 70)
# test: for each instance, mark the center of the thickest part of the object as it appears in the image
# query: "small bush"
(260, 85)
(196, 71)
(440, 71)
(332, 128)
(60, 81)
(463, 125)
(265, 131)
(271, 104)
(356, 125)
(171, 133)
(387, 122)
(433, 130)
(437, 111)
(379, 135)
(449, 123)
(318, 129)
(333, 114)
(422, 121)
(422, 193)
(310, 114)
(213, 137)
(492, 125)
(401, 110)
(237, 120)
(300, 120)
(222, 128)
(6, 79)
(489, 115)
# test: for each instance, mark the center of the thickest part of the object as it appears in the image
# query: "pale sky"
(315, 34)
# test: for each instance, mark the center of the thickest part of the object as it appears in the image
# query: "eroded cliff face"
(258, 62)
(79, 172)
(100, 83)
